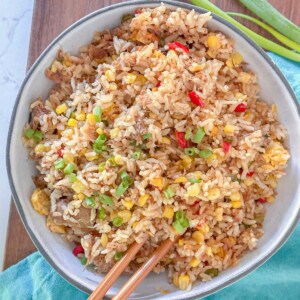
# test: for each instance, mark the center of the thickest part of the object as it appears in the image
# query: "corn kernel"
(100, 131)
(196, 67)
(214, 131)
(249, 116)
(158, 182)
(238, 95)
(68, 157)
(272, 181)
(236, 196)
(113, 86)
(209, 251)
(67, 63)
(136, 223)
(175, 280)
(236, 204)
(91, 156)
(91, 119)
(270, 199)
(143, 199)
(80, 196)
(232, 240)
(193, 190)
(198, 236)
(114, 133)
(213, 42)
(212, 52)
(80, 117)
(181, 180)
(119, 160)
(194, 262)
(141, 78)
(168, 212)
(104, 239)
(130, 78)
(128, 204)
(54, 227)
(110, 75)
(212, 158)
(204, 228)
(40, 148)
(54, 67)
(236, 58)
(78, 187)
(151, 114)
(186, 161)
(248, 181)
(155, 89)
(72, 122)
(183, 282)
(180, 242)
(229, 129)
(165, 140)
(125, 215)
(60, 109)
(213, 194)
(221, 252)
(219, 214)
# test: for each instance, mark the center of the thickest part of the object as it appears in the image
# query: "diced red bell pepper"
(261, 200)
(138, 11)
(250, 174)
(78, 250)
(175, 45)
(59, 151)
(226, 146)
(240, 108)
(158, 84)
(196, 99)
(182, 142)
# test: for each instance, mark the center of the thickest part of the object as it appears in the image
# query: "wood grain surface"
(50, 18)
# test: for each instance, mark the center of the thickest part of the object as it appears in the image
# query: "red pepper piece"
(175, 45)
(250, 174)
(240, 108)
(196, 99)
(261, 200)
(78, 250)
(182, 142)
(59, 151)
(226, 146)
(158, 84)
(138, 11)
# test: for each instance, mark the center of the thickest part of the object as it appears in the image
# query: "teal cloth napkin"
(279, 278)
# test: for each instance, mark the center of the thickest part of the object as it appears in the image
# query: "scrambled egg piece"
(54, 227)
(276, 155)
(40, 202)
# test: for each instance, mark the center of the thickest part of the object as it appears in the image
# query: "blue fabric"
(279, 278)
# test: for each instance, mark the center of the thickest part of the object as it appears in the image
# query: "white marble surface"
(15, 24)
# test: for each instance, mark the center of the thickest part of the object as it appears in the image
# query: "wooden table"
(51, 17)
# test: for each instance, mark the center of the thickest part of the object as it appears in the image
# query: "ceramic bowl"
(281, 216)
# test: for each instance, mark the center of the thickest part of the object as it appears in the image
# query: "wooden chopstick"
(144, 270)
(117, 270)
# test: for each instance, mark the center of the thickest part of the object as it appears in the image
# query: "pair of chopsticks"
(137, 277)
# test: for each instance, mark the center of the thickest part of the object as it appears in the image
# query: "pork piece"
(89, 131)
(38, 111)
(57, 77)
(97, 52)
(39, 181)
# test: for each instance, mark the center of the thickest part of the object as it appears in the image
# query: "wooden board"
(51, 17)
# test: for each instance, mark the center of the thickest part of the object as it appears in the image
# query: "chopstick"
(117, 270)
(144, 270)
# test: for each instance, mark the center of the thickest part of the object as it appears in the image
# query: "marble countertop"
(15, 25)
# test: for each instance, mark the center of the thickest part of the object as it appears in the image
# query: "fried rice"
(156, 127)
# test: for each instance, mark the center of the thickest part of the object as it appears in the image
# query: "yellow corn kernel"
(110, 75)
(168, 212)
(40, 202)
(272, 181)
(181, 180)
(125, 215)
(236, 196)
(238, 95)
(236, 204)
(80, 196)
(197, 174)
(100, 131)
(236, 58)
(193, 190)
(209, 251)
(143, 199)
(72, 122)
(270, 199)
(119, 160)
(141, 78)
(130, 78)
(232, 240)
(113, 86)
(165, 140)
(60, 109)
(214, 131)
(203, 228)
(54, 227)
(136, 223)
(198, 236)
(213, 194)
(229, 129)
(249, 116)
(40, 148)
(78, 187)
(248, 181)
(152, 115)
(80, 117)
(212, 158)
(68, 157)
(158, 182)
(221, 252)
(54, 67)
(196, 67)
(128, 204)
(180, 242)
(212, 52)
(68, 133)
(213, 42)
(104, 239)
(183, 282)
(194, 262)
(219, 214)
(114, 133)
(67, 63)
(90, 156)
(175, 280)
(186, 161)
(91, 119)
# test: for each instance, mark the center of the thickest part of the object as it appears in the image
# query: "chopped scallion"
(194, 180)
(119, 255)
(205, 153)
(102, 166)
(99, 148)
(37, 136)
(59, 164)
(112, 161)
(178, 227)
(72, 177)
(136, 155)
(191, 151)
(105, 122)
(147, 135)
(102, 213)
(69, 168)
(188, 134)
(29, 133)
(169, 193)
(105, 199)
(199, 135)
(97, 111)
(90, 201)
(117, 221)
(83, 260)
(100, 140)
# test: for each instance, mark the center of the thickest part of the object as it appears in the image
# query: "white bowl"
(281, 216)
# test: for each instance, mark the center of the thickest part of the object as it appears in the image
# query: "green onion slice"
(191, 151)
(37, 136)
(102, 213)
(119, 255)
(169, 193)
(198, 137)
(90, 201)
(69, 168)
(105, 199)
(136, 155)
(100, 140)
(178, 227)
(117, 221)
(72, 177)
(29, 133)
(83, 260)
(99, 148)
(59, 164)
(147, 135)
(194, 180)
(102, 166)
(205, 153)
(97, 111)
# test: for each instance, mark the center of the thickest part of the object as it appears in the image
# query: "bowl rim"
(40, 58)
